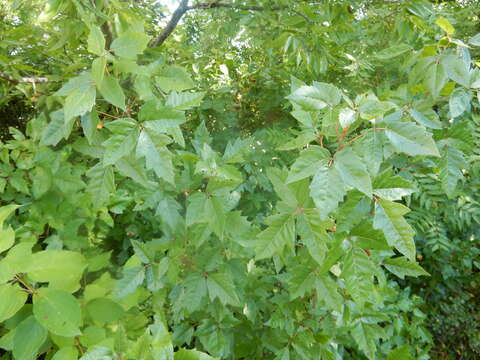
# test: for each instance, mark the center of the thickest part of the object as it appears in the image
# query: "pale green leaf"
(459, 102)
(411, 139)
(174, 78)
(117, 147)
(66, 353)
(131, 280)
(390, 187)
(184, 354)
(130, 44)
(445, 25)
(457, 70)
(58, 311)
(475, 40)
(79, 102)
(13, 298)
(435, 78)
(61, 268)
(184, 100)
(353, 171)
(96, 41)
(393, 51)
(307, 163)
(29, 337)
(7, 238)
(54, 131)
(112, 92)
(347, 117)
(101, 184)
(426, 118)
(158, 158)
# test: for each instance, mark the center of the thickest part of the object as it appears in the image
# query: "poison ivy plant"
(263, 199)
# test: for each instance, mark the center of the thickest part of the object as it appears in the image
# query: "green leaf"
(118, 146)
(309, 98)
(89, 123)
(299, 141)
(7, 238)
(157, 157)
(365, 336)
(358, 272)
(175, 78)
(221, 286)
(475, 40)
(402, 267)
(428, 118)
(393, 51)
(98, 353)
(307, 163)
(61, 268)
(29, 337)
(411, 139)
(312, 231)
(58, 311)
(459, 102)
(457, 70)
(280, 233)
(101, 184)
(327, 189)
(130, 44)
(435, 78)
(54, 131)
(451, 165)
(327, 290)
(104, 310)
(216, 216)
(131, 280)
(80, 83)
(390, 187)
(400, 353)
(185, 100)
(184, 354)
(347, 117)
(79, 102)
(353, 171)
(13, 298)
(399, 234)
(302, 281)
(445, 25)
(366, 237)
(96, 41)
(112, 92)
(66, 353)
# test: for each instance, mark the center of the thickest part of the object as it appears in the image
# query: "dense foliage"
(239, 180)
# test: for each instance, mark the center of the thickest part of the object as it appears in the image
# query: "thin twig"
(24, 79)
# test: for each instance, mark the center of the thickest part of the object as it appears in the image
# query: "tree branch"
(184, 7)
(23, 79)
(176, 16)
(214, 5)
